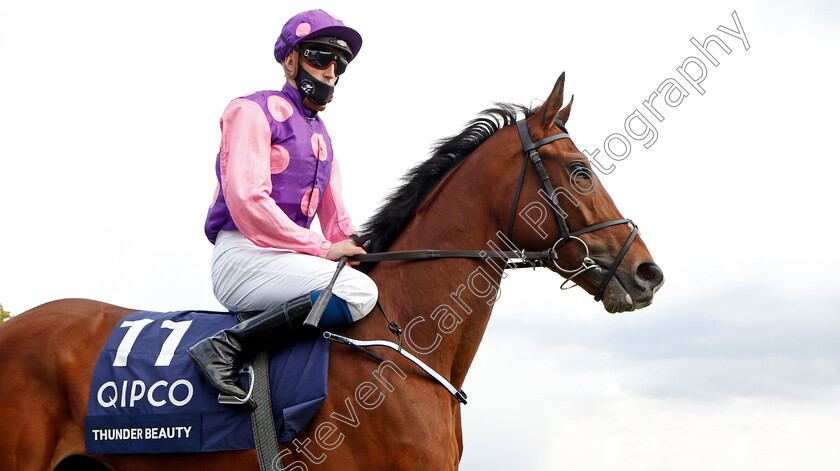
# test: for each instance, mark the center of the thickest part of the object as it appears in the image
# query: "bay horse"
(377, 416)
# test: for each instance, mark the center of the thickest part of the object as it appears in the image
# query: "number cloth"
(147, 396)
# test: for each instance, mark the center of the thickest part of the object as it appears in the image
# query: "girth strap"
(262, 418)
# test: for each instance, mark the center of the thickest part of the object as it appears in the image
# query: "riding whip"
(317, 311)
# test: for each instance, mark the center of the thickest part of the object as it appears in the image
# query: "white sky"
(109, 131)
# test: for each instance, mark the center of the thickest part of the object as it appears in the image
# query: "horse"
(386, 415)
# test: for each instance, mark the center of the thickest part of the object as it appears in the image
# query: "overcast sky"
(109, 129)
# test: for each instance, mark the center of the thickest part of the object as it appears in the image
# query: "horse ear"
(566, 111)
(552, 105)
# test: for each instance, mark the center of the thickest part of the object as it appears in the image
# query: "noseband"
(529, 258)
(529, 147)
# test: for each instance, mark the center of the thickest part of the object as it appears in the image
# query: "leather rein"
(529, 258)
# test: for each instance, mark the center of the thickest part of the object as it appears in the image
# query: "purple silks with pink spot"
(301, 159)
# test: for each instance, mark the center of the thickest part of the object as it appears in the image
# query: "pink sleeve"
(335, 221)
(246, 183)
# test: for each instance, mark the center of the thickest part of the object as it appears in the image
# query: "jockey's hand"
(345, 247)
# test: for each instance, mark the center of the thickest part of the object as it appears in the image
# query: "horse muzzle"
(628, 292)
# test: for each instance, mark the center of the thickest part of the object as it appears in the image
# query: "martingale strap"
(458, 394)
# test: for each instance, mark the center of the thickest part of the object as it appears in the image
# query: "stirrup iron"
(233, 400)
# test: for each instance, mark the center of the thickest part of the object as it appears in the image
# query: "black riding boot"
(217, 356)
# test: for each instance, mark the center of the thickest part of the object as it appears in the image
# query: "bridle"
(529, 147)
(529, 258)
(533, 259)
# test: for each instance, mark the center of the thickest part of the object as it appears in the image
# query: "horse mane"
(380, 231)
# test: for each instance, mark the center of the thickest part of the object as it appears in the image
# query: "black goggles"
(322, 58)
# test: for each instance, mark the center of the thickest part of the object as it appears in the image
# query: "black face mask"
(316, 94)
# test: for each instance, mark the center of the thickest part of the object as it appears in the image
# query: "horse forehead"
(563, 149)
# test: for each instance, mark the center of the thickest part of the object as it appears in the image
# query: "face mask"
(316, 94)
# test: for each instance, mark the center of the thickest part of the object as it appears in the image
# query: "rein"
(529, 258)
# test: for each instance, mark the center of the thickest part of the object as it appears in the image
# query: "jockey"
(276, 171)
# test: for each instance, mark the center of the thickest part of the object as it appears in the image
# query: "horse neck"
(444, 305)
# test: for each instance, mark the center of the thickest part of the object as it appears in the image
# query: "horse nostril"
(649, 275)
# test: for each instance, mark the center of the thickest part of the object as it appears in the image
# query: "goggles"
(322, 58)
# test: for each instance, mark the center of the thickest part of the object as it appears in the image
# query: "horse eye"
(579, 170)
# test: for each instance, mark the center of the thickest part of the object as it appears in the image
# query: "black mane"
(389, 221)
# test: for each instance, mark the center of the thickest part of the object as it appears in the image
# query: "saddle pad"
(147, 396)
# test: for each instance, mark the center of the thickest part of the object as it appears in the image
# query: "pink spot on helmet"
(279, 158)
(303, 29)
(319, 146)
(279, 108)
(309, 203)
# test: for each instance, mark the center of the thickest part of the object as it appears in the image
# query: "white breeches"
(247, 277)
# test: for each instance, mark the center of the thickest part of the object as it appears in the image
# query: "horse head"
(468, 192)
(598, 248)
